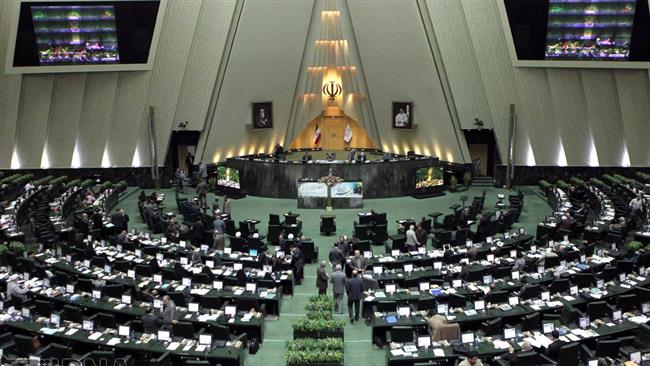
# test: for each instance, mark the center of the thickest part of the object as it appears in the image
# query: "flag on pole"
(348, 134)
(317, 135)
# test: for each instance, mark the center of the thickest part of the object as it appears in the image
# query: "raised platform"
(266, 177)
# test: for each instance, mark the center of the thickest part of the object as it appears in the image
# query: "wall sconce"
(332, 90)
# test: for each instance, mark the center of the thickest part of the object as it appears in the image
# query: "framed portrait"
(262, 115)
(402, 115)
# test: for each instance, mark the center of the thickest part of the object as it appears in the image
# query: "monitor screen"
(124, 331)
(79, 36)
(457, 283)
(616, 315)
(230, 310)
(69, 289)
(97, 295)
(467, 338)
(513, 301)
(391, 288)
(193, 307)
(600, 283)
(186, 281)
(515, 275)
(157, 278)
(130, 273)
(228, 177)
(479, 305)
(424, 341)
(217, 285)
(25, 312)
(487, 279)
(584, 322)
(404, 311)
(573, 290)
(237, 266)
(592, 362)
(437, 265)
(126, 299)
(209, 264)
(546, 296)
(157, 304)
(424, 286)
(429, 177)
(509, 333)
(408, 268)
(251, 287)
(252, 252)
(163, 335)
(205, 339)
(635, 357)
(395, 252)
(55, 319)
(548, 328)
(645, 307)
(442, 309)
(184, 260)
(87, 325)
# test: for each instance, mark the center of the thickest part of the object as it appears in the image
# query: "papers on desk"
(499, 344)
(48, 331)
(95, 336)
(410, 348)
(569, 298)
(283, 277)
(397, 352)
(369, 298)
(71, 331)
(471, 312)
(239, 292)
(247, 317)
(439, 352)
(173, 346)
(119, 306)
(51, 260)
(639, 319)
(538, 340)
(113, 341)
(380, 294)
(199, 291)
(201, 348)
(181, 288)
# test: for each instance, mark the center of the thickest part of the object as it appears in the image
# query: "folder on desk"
(391, 319)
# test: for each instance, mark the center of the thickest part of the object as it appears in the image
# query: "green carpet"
(358, 347)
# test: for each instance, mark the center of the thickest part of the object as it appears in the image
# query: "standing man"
(219, 227)
(322, 279)
(355, 291)
(226, 205)
(189, 160)
(298, 262)
(636, 205)
(336, 255)
(411, 239)
(169, 312)
(339, 283)
(358, 262)
(203, 171)
(120, 220)
(202, 191)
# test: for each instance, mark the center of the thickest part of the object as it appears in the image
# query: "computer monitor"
(533, 248)
(422, 250)
(522, 231)
(237, 266)
(408, 268)
(391, 288)
(210, 264)
(515, 275)
(573, 290)
(468, 243)
(69, 289)
(479, 305)
(488, 240)
(490, 258)
(584, 322)
(464, 261)
(442, 309)
(636, 357)
(55, 319)
(96, 295)
(394, 253)
(547, 328)
(163, 335)
(403, 311)
(377, 269)
(367, 254)
(622, 277)
(160, 256)
(204, 248)
(252, 252)
(437, 265)
(513, 253)
(457, 283)
(157, 278)
(130, 273)
(124, 331)
(25, 312)
(645, 307)
(424, 286)
(230, 310)
(205, 339)
(251, 287)
(513, 301)
(193, 307)
(642, 271)
(157, 304)
(186, 281)
(138, 253)
(600, 283)
(546, 296)
(126, 299)
(278, 254)
(592, 362)
(86, 263)
(424, 341)
(509, 333)
(87, 325)
(184, 260)
(467, 338)
(229, 251)
(217, 285)
(617, 315)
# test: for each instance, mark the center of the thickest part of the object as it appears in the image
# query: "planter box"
(317, 335)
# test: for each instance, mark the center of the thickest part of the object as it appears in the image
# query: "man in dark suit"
(358, 262)
(195, 256)
(298, 263)
(98, 219)
(120, 220)
(322, 279)
(149, 322)
(351, 155)
(336, 256)
(553, 349)
(198, 233)
(344, 246)
(169, 312)
(355, 292)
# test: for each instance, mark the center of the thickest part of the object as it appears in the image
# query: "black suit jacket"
(355, 289)
(553, 350)
(150, 323)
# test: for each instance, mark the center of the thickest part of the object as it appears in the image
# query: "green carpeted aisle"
(358, 348)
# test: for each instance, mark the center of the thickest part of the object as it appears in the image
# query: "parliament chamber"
(324, 182)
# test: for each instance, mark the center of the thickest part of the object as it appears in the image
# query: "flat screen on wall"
(68, 36)
(614, 31)
(228, 177)
(429, 177)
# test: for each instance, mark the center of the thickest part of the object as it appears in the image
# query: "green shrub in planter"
(86, 183)
(318, 325)
(302, 344)
(643, 176)
(561, 184)
(320, 303)
(544, 185)
(3, 249)
(634, 245)
(319, 314)
(577, 181)
(17, 247)
(308, 357)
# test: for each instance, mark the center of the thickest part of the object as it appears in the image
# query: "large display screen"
(580, 30)
(69, 34)
(588, 30)
(228, 177)
(341, 190)
(75, 34)
(429, 177)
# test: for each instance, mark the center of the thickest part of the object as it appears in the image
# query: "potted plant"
(453, 181)
(17, 248)
(317, 328)
(633, 246)
(3, 250)
(314, 352)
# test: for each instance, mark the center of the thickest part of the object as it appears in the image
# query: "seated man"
(511, 356)
(471, 360)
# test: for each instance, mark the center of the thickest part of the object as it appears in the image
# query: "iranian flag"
(317, 135)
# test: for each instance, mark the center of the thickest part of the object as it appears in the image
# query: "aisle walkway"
(358, 348)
